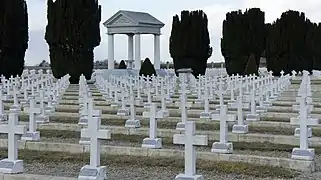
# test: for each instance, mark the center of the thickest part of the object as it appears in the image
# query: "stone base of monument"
(252, 117)
(180, 126)
(114, 104)
(187, 177)
(297, 132)
(163, 113)
(122, 112)
(15, 108)
(303, 154)
(49, 109)
(132, 123)
(42, 119)
(240, 129)
(139, 101)
(152, 143)
(205, 115)
(31, 136)
(84, 141)
(230, 117)
(261, 109)
(92, 173)
(223, 148)
(83, 120)
(11, 166)
(310, 121)
(3, 117)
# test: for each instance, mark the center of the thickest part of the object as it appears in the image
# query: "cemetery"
(141, 121)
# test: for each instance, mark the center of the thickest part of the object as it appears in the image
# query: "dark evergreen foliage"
(14, 36)
(122, 65)
(243, 35)
(147, 68)
(251, 66)
(189, 42)
(72, 33)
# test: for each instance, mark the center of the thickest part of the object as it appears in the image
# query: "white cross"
(189, 139)
(14, 131)
(95, 134)
(32, 112)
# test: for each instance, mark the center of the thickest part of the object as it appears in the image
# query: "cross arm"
(199, 140)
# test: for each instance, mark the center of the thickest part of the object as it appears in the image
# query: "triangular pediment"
(120, 19)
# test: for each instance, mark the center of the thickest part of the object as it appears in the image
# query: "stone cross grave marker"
(32, 134)
(190, 140)
(42, 118)
(132, 122)
(3, 116)
(123, 111)
(15, 105)
(12, 165)
(95, 134)
(164, 112)
(303, 152)
(223, 146)
(253, 116)
(206, 114)
(240, 127)
(152, 141)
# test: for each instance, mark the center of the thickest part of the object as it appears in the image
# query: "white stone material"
(240, 127)
(95, 134)
(137, 52)
(130, 47)
(189, 139)
(223, 146)
(157, 51)
(111, 51)
(3, 116)
(152, 141)
(12, 165)
(32, 134)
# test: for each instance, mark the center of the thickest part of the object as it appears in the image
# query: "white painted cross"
(3, 117)
(223, 146)
(12, 165)
(190, 140)
(240, 127)
(132, 122)
(95, 134)
(152, 142)
(32, 134)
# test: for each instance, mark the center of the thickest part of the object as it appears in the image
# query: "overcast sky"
(164, 11)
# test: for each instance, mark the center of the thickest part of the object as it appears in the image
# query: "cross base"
(303, 154)
(42, 119)
(297, 132)
(147, 105)
(232, 104)
(267, 104)
(188, 105)
(205, 115)
(84, 141)
(15, 107)
(49, 109)
(253, 117)
(114, 104)
(240, 129)
(180, 126)
(168, 100)
(223, 148)
(88, 172)
(31, 136)
(138, 101)
(3, 117)
(310, 121)
(150, 143)
(83, 120)
(11, 166)
(187, 177)
(163, 113)
(122, 112)
(132, 123)
(198, 102)
(261, 109)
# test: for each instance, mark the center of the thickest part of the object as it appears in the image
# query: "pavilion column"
(137, 52)
(111, 57)
(130, 46)
(157, 51)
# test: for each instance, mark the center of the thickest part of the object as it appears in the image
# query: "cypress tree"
(72, 33)
(243, 36)
(122, 65)
(147, 68)
(189, 42)
(13, 36)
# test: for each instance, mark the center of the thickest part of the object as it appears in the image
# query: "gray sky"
(164, 11)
